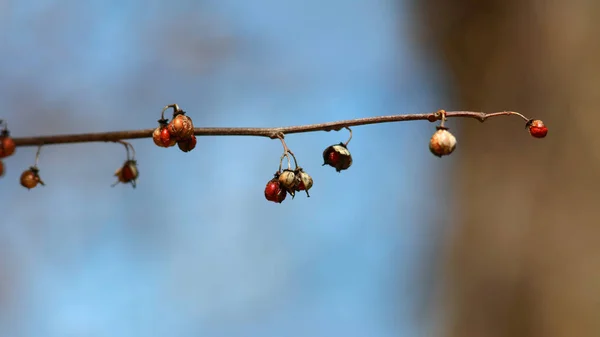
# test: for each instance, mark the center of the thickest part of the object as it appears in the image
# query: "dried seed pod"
(128, 173)
(274, 192)
(181, 127)
(305, 181)
(30, 178)
(442, 142)
(338, 157)
(187, 144)
(537, 128)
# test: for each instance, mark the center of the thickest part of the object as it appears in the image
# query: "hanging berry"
(304, 180)
(536, 128)
(274, 192)
(442, 142)
(188, 144)
(337, 156)
(7, 144)
(30, 178)
(128, 172)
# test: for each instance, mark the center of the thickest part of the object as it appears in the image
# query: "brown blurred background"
(524, 258)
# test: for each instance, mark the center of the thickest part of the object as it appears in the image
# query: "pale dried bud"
(442, 142)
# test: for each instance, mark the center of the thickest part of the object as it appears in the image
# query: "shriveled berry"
(30, 178)
(187, 144)
(442, 142)
(287, 179)
(7, 145)
(128, 173)
(337, 156)
(274, 192)
(537, 128)
(305, 181)
(181, 127)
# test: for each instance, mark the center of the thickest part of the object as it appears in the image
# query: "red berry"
(537, 128)
(274, 192)
(305, 181)
(188, 144)
(7, 145)
(30, 178)
(442, 142)
(338, 157)
(128, 173)
(166, 139)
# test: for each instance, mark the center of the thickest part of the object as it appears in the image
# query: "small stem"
(286, 150)
(349, 139)
(37, 156)
(127, 146)
(442, 113)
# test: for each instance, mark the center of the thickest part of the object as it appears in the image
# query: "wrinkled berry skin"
(537, 128)
(274, 191)
(442, 142)
(181, 127)
(337, 156)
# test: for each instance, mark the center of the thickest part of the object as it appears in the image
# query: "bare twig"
(273, 133)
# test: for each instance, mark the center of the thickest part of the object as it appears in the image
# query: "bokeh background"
(499, 239)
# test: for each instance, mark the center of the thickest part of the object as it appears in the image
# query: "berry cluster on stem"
(180, 130)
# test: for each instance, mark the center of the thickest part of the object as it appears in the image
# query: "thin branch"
(272, 133)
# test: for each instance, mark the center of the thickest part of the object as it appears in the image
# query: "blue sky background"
(195, 250)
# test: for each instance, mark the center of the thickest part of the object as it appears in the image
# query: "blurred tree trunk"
(524, 259)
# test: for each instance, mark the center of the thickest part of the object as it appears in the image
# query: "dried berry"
(128, 173)
(305, 181)
(442, 142)
(287, 179)
(181, 127)
(537, 128)
(337, 156)
(7, 144)
(187, 144)
(30, 178)
(274, 192)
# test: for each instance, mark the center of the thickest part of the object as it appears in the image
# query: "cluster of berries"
(291, 181)
(179, 131)
(288, 182)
